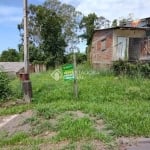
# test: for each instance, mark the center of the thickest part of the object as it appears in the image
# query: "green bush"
(4, 86)
(131, 68)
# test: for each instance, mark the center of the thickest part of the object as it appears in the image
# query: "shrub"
(131, 68)
(4, 86)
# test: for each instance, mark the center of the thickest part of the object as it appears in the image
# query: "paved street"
(140, 146)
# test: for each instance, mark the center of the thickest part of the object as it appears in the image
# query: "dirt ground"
(14, 123)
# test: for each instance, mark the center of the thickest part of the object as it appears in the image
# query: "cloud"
(10, 14)
(112, 9)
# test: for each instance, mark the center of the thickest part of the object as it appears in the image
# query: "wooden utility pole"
(26, 83)
(26, 54)
(75, 74)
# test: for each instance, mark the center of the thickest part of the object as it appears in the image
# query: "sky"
(11, 13)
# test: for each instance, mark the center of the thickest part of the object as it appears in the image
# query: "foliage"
(4, 86)
(80, 58)
(51, 27)
(71, 18)
(53, 43)
(87, 22)
(125, 20)
(114, 23)
(102, 23)
(132, 68)
(36, 55)
(10, 55)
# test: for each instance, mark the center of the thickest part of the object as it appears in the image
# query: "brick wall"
(101, 50)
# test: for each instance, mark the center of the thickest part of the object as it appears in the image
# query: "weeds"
(15, 109)
(122, 103)
(74, 129)
(14, 139)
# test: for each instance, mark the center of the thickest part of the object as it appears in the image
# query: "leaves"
(51, 26)
(10, 55)
(4, 86)
(88, 23)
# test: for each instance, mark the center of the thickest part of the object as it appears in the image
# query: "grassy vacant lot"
(108, 107)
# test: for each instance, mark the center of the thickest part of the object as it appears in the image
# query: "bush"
(4, 86)
(131, 68)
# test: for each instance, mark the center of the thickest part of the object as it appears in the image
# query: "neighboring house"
(14, 68)
(126, 43)
(145, 22)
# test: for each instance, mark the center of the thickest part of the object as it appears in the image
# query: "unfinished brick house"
(126, 43)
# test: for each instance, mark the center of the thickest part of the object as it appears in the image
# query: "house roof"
(124, 28)
(11, 66)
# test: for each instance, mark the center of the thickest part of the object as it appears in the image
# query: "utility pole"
(26, 83)
(26, 54)
(75, 74)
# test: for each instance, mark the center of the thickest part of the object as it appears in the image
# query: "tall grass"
(122, 102)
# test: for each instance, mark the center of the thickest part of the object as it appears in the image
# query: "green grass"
(74, 130)
(122, 102)
(13, 140)
(15, 109)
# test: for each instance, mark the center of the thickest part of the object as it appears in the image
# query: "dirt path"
(15, 123)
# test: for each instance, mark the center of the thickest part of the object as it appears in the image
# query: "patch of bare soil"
(47, 134)
(94, 144)
(53, 146)
(98, 145)
(15, 123)
(77, 114)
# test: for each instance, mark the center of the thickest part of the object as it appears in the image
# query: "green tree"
(36, 55)
(101, 23)
(51, 26)
(71, 18)
(87, 23)
(10, 55)
(53, 43)
(114, 23)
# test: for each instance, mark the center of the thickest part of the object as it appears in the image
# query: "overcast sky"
(11, 13)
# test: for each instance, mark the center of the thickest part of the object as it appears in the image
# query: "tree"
(50, 28)
(71, 18)
(90, 23)
(125, 20)
(10, 55)
(102, 23)
(53, 43)
(87, 23)
(36, 55)
(114, 23)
